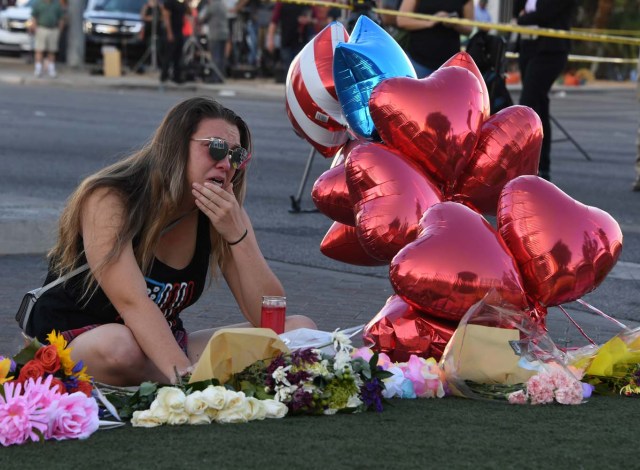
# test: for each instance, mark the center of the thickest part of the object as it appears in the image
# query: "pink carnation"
(73, 416)
(364, 353)
(20, 418)
(40, 393)
(570, 394)
(540, 389)
(518, 398)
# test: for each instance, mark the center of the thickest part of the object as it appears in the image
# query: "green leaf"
(27, 353)
(147, 388)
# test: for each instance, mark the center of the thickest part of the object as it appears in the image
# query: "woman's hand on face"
(221, 207)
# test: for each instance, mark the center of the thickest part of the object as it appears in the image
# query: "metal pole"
(295, 200)
(568, 137)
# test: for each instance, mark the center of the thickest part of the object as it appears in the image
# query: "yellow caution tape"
(586, 58)
(509, 28)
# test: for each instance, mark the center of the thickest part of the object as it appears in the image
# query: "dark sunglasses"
(219, 149)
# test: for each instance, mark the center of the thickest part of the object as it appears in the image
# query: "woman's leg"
(198, 340)
(112, 356)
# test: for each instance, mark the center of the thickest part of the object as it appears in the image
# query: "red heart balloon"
(464, 60)
(399, 331)
(341, 243)
(457, 259)
(434, 121)
(509, 146)
(331, 196)
(564, 248)
(389, 194)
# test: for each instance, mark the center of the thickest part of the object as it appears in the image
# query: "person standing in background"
(541, 61)
(432, 43)
(47, 20)
(173, 14)
(297, 26)
(481, 12)
(214, 15)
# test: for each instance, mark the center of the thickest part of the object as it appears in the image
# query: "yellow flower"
(5, 365)
(63, 352)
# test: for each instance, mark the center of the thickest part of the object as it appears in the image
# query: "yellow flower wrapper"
(231, 350)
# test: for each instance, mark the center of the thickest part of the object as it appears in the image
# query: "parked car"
(14, 35)
(114, 23)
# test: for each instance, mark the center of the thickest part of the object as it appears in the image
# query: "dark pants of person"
(173, 58)
(538, 71)
(217, 49)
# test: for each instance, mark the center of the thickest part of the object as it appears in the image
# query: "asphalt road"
(51, 136)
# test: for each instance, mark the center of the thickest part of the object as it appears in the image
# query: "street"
(51, 137)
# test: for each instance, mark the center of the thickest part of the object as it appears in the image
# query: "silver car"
(14, 34)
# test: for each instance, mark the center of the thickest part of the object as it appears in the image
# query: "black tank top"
(62, 307)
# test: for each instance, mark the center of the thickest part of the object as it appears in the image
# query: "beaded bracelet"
(246, 231)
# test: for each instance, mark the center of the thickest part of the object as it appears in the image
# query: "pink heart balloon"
(509, 146)
(389, 194)
(341, 243)
(457, 259)
(331, 195)
(564, 248)
(399, 331)
(434, 121)
(464, 60)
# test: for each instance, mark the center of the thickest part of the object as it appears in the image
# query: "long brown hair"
(151, 183)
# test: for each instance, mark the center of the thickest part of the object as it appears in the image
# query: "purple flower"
(371, 394)
(301, 400)
(301, 356)
(298, 377)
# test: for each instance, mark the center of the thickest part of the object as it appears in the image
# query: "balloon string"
(599, 312)
(576, 325)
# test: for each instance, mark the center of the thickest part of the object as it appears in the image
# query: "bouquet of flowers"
(309, 381)
(613, 367)
(44, 394)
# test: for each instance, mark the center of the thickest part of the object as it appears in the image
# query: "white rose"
(145, 419)
(171, 398)
(200, 419)
(195, 404)
(274, 409)
(160, 411)
(235, 411)
(215, 397)
(257, 411)
(178, 418)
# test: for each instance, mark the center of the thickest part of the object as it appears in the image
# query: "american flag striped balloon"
(311, 100)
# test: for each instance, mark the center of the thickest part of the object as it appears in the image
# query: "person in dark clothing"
(541, 61)
(151, 228)
(296, 23)
(173, 14)
(432, 43)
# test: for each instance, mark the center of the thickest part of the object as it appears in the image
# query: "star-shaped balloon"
(370, 56)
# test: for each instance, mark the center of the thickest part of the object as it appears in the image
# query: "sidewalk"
(17, 71)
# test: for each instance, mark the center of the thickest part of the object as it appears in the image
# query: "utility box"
(111, 61)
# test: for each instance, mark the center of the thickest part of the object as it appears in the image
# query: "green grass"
(415, 434)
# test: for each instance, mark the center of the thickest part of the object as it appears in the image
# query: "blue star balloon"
(370, 56)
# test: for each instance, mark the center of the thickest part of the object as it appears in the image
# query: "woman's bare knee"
(295, 322)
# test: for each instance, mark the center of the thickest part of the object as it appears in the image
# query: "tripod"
(295, 200)
(568, 137)
(152, 50)
(194, 55)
